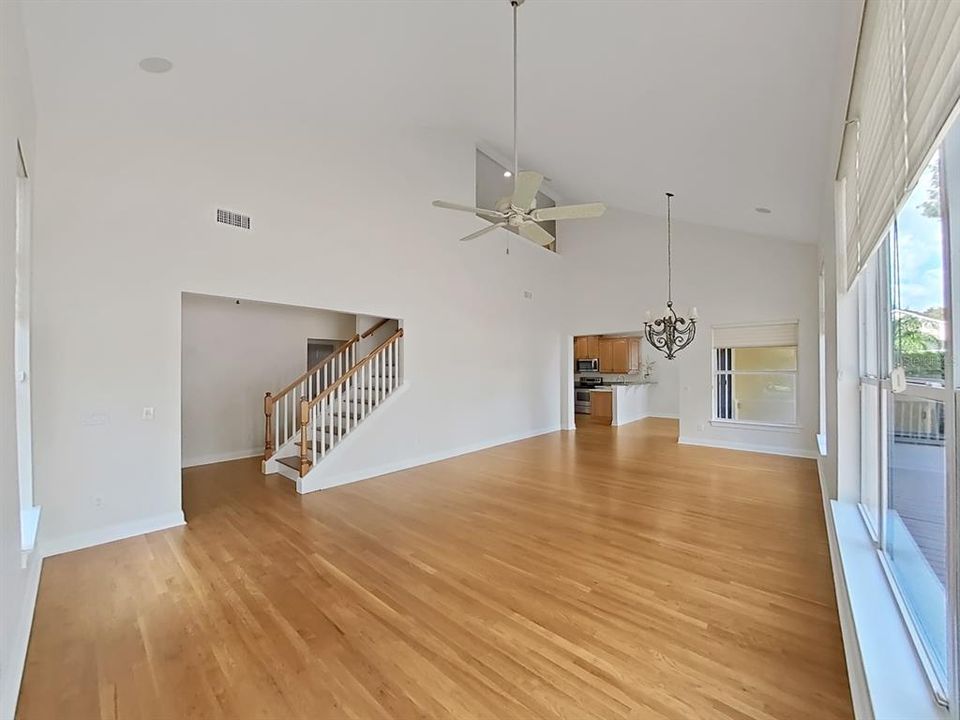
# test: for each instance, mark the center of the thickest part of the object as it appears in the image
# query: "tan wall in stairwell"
(231, 355)
(364, 323)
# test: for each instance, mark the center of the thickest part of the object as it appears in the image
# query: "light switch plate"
(147, 414)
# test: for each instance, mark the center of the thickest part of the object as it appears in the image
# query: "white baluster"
(322, 434)
(339, 411)
(391, 364)
(276, 428)
(285, 413)
(349, 408)
(313, 434)
(363, 392)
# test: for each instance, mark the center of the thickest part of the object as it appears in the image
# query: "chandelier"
(671, 333)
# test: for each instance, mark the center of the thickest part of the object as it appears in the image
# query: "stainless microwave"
(588, 365)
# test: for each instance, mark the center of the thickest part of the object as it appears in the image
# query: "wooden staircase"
(313, 414)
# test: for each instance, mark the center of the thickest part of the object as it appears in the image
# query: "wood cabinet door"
(592, 346)
(579, 348)
(606, 354)
(621, 355)
(634, 354)
(601, 405)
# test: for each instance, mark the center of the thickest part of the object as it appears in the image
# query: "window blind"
(873, 130)
(931, 50)
(755, 335)
(906, 83)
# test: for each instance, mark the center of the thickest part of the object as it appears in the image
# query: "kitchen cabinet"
(601, 406)
(586, 347)
(619, 355)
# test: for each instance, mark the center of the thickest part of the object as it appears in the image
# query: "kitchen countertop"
(611, 386)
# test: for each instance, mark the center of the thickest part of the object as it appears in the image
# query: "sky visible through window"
(920, 247)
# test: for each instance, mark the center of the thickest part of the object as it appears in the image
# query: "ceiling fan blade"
(525, 188)
(533, 232)
(484, 231)
(569, 212)
(467, 208)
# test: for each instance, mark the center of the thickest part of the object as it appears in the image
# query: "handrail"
(316, 367)
(352, 371)
(376, 327)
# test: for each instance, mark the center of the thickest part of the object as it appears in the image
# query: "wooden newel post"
(267, 426)
(304, 418)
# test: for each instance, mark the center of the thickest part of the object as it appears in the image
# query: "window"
(755, 374)
(915, 523)
(908, 429)
(29, 513)
(822, 358)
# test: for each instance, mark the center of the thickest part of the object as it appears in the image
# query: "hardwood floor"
(607, 573)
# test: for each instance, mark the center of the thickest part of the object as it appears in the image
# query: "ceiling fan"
(518, 211)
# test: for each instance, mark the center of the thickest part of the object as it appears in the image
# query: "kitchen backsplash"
(616, 377)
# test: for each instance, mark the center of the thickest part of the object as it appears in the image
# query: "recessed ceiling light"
(156, 65)
(507, 173)
(763, 210)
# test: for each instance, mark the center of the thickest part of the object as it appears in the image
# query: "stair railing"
(280, 410)
(339, 408)
(371, 330)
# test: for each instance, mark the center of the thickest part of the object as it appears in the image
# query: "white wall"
(17, 584)
(341, 218)
(233, 354)
(617, 265)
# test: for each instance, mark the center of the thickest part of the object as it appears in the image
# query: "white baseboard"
(111, 533)
(856, 675)
(747, 447)
(222, 457)
(20, 639)
(321, 482)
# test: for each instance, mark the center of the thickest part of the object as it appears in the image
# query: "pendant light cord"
(669, 256)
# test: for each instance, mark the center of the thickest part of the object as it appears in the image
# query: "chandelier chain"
(669, 255)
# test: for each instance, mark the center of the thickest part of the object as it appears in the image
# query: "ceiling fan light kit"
(517, 212)
(671, 333)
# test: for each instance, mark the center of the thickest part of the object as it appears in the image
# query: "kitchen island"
(620, 403)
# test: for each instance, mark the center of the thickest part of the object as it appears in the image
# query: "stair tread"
(291, 462)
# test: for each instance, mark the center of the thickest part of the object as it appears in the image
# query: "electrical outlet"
(699, 427)
(147, 414)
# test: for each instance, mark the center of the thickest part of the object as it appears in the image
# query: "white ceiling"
(731, 104)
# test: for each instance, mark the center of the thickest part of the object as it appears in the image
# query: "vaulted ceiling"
(730, 104)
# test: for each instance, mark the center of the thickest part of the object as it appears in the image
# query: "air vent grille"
(228, 217)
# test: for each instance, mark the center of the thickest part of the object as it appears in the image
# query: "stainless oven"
(581, 397)
(588, 365)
